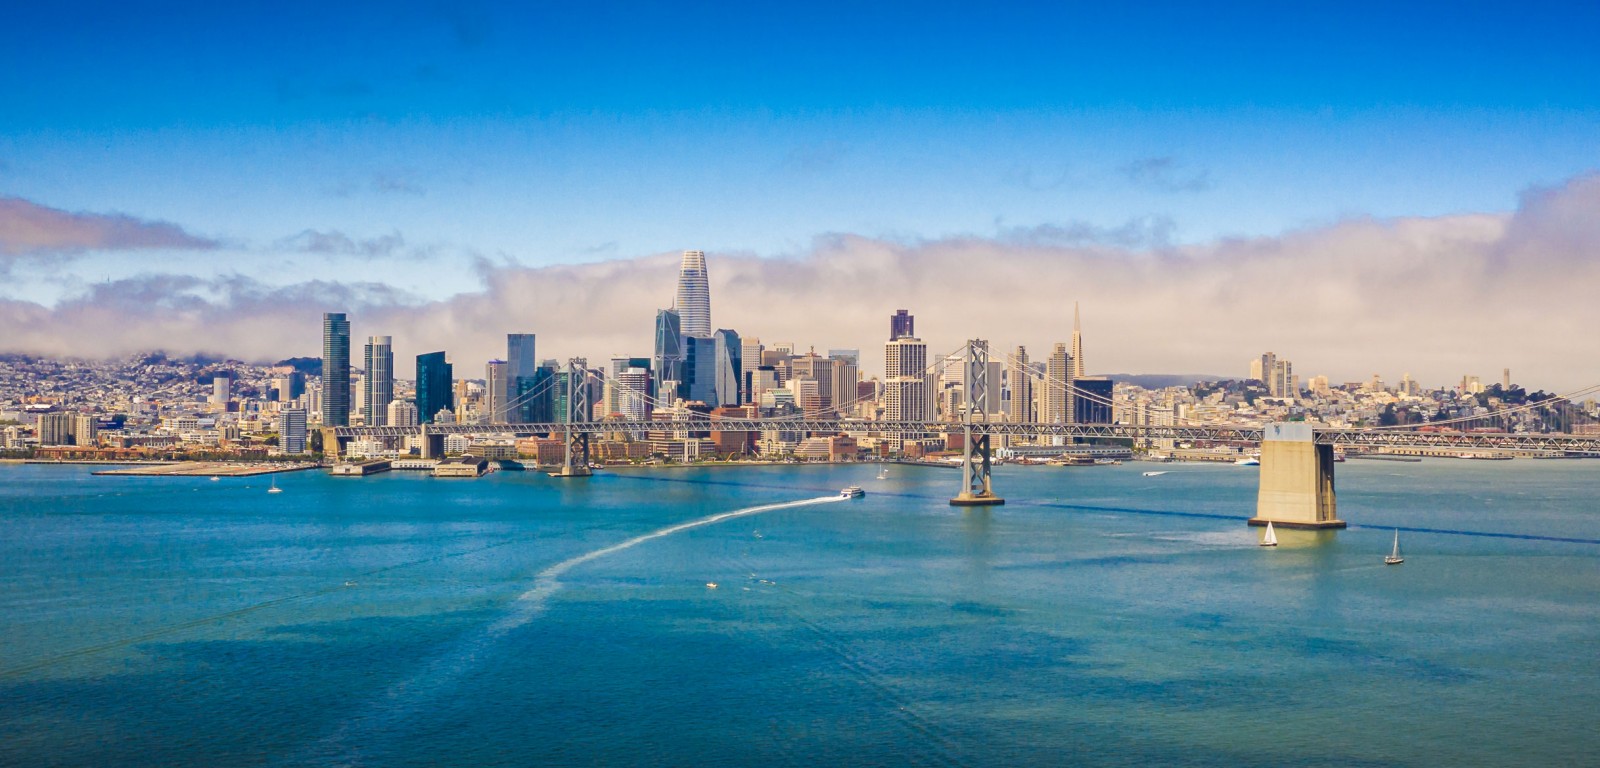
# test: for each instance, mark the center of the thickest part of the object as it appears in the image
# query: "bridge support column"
(1296, 480)
(576, 463)
(432, 444)
(975, 488)
(333, 446)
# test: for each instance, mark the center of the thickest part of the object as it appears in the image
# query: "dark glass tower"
(335, 370)
(902, 325)
(435, 386)
(668, 358)
(520, 365)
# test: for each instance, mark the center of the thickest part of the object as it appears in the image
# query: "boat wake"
(353, 742)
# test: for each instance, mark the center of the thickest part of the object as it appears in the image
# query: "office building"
(667, 361)
(729, 364)
(435, 386)
(55, 428)
(1077, 343)
(1058, 407)
(377, 385)
(402, 413)
(495, 392)
(694, 295)
(908, 385)
(750, 350)
(221, 388)
(1092, 400)
(520, 366)
(902, 325)
(85, 430)
(292, 430)
(1020, 377)
(700, 369)
(335, 370)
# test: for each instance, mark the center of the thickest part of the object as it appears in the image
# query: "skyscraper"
(908, 385)
(435, 386)
(729, 364)
(700, 369)
(667, 362)
(495, 383)
(335, 370)
(901, 325)
(1077, 343)
(1021, 386)
(520, 365)
(1058, 394)
(694, 295)
(292, 430)
(377, 387)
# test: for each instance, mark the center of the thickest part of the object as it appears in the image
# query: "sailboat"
(883, 473)
(274, 488)
(1271, 538)
(1394, 558)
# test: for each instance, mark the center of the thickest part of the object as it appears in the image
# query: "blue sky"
(429, 140)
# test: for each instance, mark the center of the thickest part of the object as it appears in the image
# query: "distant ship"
(1248, 461)
(1156, 473)
(852, 492)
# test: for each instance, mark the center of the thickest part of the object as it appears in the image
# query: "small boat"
(852, 492)
(214, 478)
(1270, 538)
(711, 585)
(274, 488)
(1157, 473)
(1248, 461)
(883, 473)
(1394, 558)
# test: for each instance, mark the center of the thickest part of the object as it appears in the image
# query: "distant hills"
(1163, 380)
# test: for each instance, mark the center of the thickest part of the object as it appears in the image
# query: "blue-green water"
(1100, 618)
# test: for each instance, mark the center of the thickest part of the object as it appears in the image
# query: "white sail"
(1271, 537)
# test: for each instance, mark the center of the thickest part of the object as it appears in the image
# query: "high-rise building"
(1058, 405)
(495, 388)
(1255, 369)
(1021, 377)
(520, 365)
(402, 413)
(902, 325)
(1283, 383)
(289, 386)
(729, 364)
(1269, 362)
(846, 372)
(292, 430)
(85, 430)
(435, 386)
(377, 386)
(694, 295)
(627, 388)
(908, 385)
(700, 369)
(1092, 400)
(667, 362)
(221, 388)
(750, 350)
(815, 368)
(55, 428)
(335, 370)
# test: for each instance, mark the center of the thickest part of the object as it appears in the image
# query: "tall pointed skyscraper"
(694, 295)
(1077, 343)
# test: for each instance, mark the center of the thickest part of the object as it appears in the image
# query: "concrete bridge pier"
(432, 444)
(1296, 480)
(576, 463)
(976, 490)
(333, 446)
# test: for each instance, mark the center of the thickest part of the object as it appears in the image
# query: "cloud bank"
(1434, 297)
(31, 229)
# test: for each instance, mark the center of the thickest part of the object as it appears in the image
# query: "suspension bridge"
(1297, 458)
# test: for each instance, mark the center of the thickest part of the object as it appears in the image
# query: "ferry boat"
(1248, 461)
(852, 492)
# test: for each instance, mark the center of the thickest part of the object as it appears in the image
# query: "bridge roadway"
(1365, 438)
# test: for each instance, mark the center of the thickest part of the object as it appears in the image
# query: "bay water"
(1100, 617)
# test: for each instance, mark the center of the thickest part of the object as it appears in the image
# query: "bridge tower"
(333, 446)
(1296, 479)
(576, 461)
(976, 490)
(432, 443)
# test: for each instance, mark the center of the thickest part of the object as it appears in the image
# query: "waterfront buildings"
(694, 295)
(435, 387)
(377, 385)
(335, 370)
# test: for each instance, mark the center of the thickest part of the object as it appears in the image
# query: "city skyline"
(1358, 203)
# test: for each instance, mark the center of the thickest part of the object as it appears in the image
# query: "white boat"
(883, 473)
(1156, 473)
(1270, 538)
(274, 488)
(852, 492)
(214, 478)
(1248, 461)
(1394, 558)
(711, 585)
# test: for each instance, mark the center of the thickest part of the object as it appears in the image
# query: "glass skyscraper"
(520, 365)
(435, 386)
(668, 358)
(729, 354)
(694, 295)
(335, 370)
